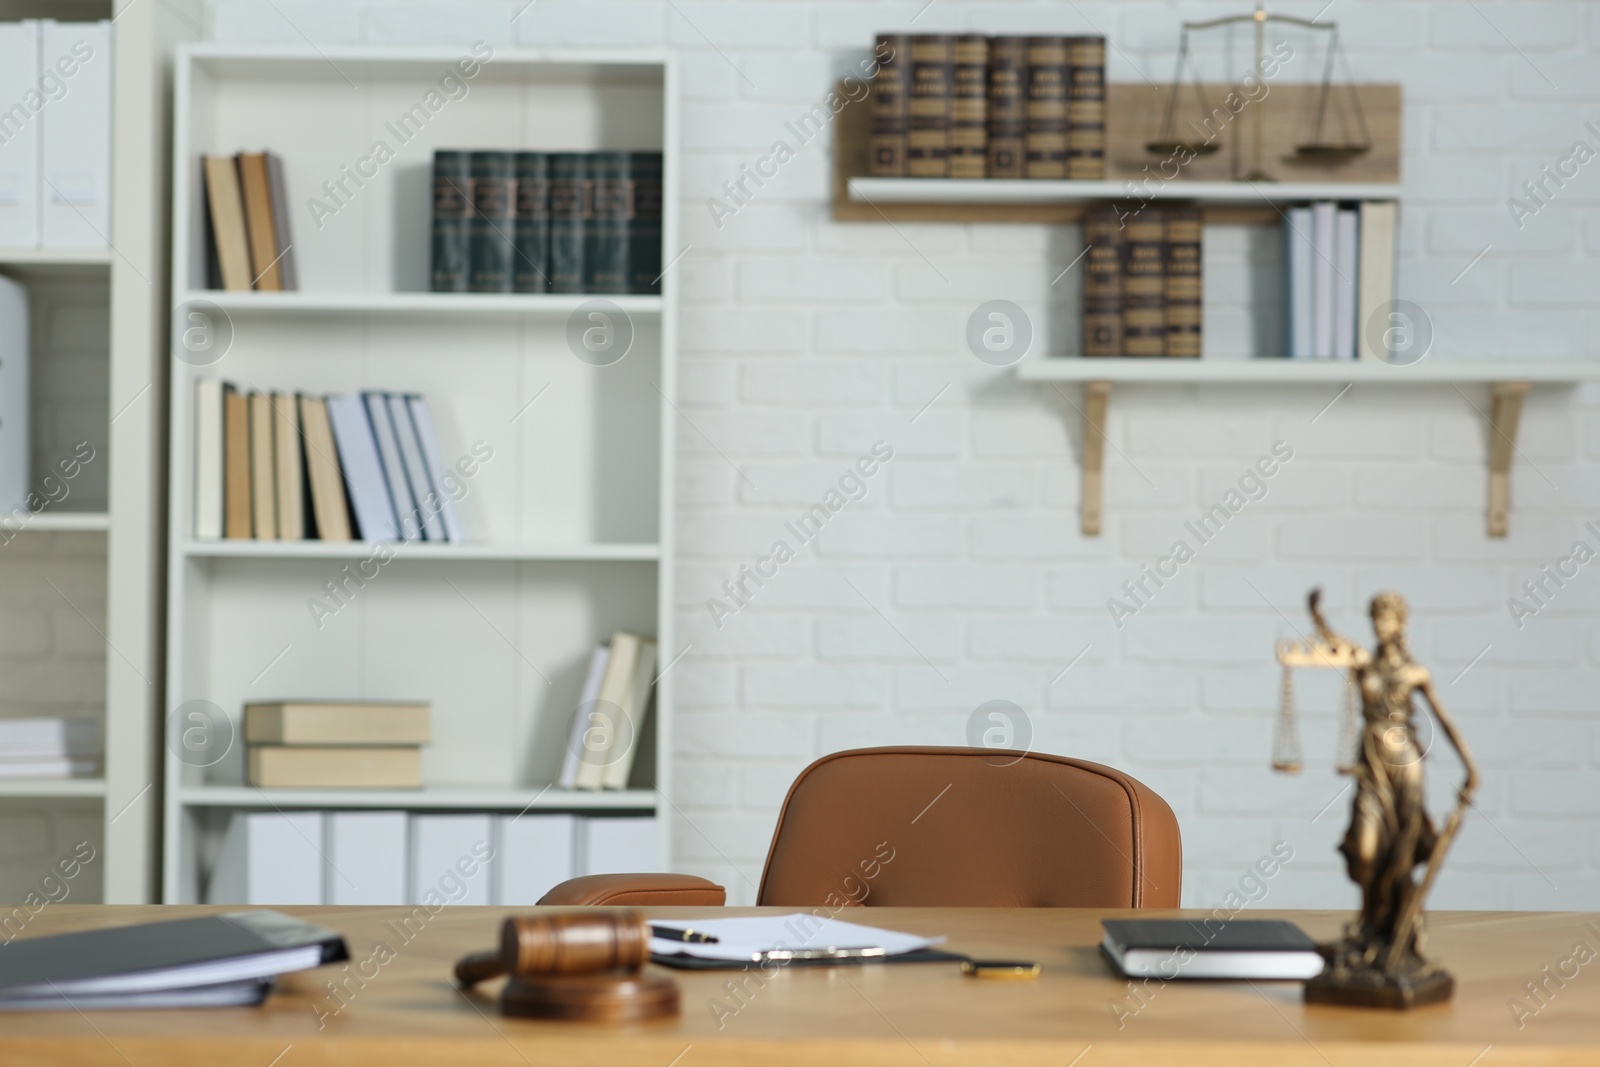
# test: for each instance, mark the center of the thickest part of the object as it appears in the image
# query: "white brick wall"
(804, 341)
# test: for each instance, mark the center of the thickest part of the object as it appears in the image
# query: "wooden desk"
(923, 1015)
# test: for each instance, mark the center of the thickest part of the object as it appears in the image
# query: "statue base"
(1351, 982)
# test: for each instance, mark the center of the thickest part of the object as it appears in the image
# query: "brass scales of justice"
(1341, 104)
(1379, 960)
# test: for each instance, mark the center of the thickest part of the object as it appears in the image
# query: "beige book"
(328, 504)
(255, 189)
(227, 222)
(336, 723)
(605, 734)
(1375, 277)
(286, 767)
(288, 467)
(236, 464)
(263, 483)
(615, 773)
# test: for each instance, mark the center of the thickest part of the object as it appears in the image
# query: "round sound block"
(606, 997)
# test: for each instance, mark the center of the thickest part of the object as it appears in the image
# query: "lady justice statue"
(1379, 961)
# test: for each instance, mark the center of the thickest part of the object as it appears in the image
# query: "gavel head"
(575, 943)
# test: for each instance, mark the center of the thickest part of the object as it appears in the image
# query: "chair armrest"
(661, 890)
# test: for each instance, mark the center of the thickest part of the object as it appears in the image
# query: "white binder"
(75, 136)
(19, 134)
(14, 446)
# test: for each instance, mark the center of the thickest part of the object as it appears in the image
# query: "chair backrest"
(971, 827)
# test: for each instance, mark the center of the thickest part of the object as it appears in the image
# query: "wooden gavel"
(574, 965)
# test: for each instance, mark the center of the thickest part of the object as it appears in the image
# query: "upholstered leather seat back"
(958, 827)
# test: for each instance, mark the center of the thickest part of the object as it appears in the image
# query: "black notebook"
(218, 959)
(1212, 948)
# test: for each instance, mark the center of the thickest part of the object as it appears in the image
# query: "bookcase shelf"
(569, 519)
(476, 305)
(55, 257)
(433, 798)
(1302, 371)
(310, 550)
(52, 788)
(1001, 191)
(67, 522)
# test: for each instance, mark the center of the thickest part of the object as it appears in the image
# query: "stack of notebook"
(335, 745)
(49, 748)
(247, 223)
(287, 466)
(608, 726)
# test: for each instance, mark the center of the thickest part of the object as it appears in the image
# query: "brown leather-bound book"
(1086, 108)
(1047, 108)
(969, 108)
(328, 505)
(932, 75)
(1144, 285)
(1008, 115)
(235, 464)
(891, 105)
(1183, 281)
(255, 188)
(263, 479)
(226, 207)
(1102, 281)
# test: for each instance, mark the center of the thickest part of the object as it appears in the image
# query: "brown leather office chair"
(952, 827)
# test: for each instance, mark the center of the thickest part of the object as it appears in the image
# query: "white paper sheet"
(746, 938)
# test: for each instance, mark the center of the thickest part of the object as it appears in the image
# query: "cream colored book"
(227, 222)
(1375, 276)
(336, 723)
(328, 505)
(603, 732)
(263, 480)
(615, 773)
(288, 467)
(289, 767)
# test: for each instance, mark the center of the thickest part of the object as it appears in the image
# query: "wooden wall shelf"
(1508, 381)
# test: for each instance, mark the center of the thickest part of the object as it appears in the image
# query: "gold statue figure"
(1379, 961)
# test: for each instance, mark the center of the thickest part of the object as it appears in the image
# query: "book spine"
(932, 75)
(1183, 281)
(1086, 108)
(452, 220)
(605, 260)
(891, 106)
(493, 223)
(969, 107)
(1046, 140)
(530, 268)
(643, 244)
(569, 212)
(1144, 294)
(1102, 281)
(1008, 116)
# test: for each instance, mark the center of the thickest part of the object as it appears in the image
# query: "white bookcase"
(569, 524)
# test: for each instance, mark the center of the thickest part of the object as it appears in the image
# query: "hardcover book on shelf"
(288, 278)
(969, 108)
(1375, 275)
(1008, 113)
(1102, 281)
(423, 493)
(208, 452)
(530, 266)
(572, 758)
(932, 75)
(334, 767)
(570, 204)
(1183, 281)
(363, 472)
(605, 239)
(1324, 226)
(613, 700)
(227, 222)
(337, 722)
(394, 472)
(1344, 284)
(1086, 108)
(255, 188)
(643, 246)
(615, 773)
(236, 464)
(440, 475)
(289, 467)
(491, 241)
(891, 106)
(263, 477)
(1298, 254)
(330, 509)
(452, 222)
(1144, 295)
(1046, 108)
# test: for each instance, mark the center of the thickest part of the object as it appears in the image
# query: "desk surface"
(922, 1015)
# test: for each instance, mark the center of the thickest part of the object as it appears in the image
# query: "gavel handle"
(478, 967)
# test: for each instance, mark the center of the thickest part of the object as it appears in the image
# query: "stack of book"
(290, 467)
(546, 222)
(247, 223)
(1142, 280)
(49, 748)
(335, 744)
(55, 134)
(608, 726)
(1341, 273)
(970, 106)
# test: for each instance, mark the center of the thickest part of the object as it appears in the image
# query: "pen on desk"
(667, 933)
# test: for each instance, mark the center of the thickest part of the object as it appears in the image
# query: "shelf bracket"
(1504, 415)
(1095, 397)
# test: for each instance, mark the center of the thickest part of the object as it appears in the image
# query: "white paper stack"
(532, 855)
(270, 857)
(49, 748)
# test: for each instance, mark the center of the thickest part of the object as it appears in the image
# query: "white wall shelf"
(55, 257)
(51, 788)
(298, 550)
(446, 304)
(434, 798)
(1301, 371)
(569, 518)
(1009, 191)
(66, 522)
